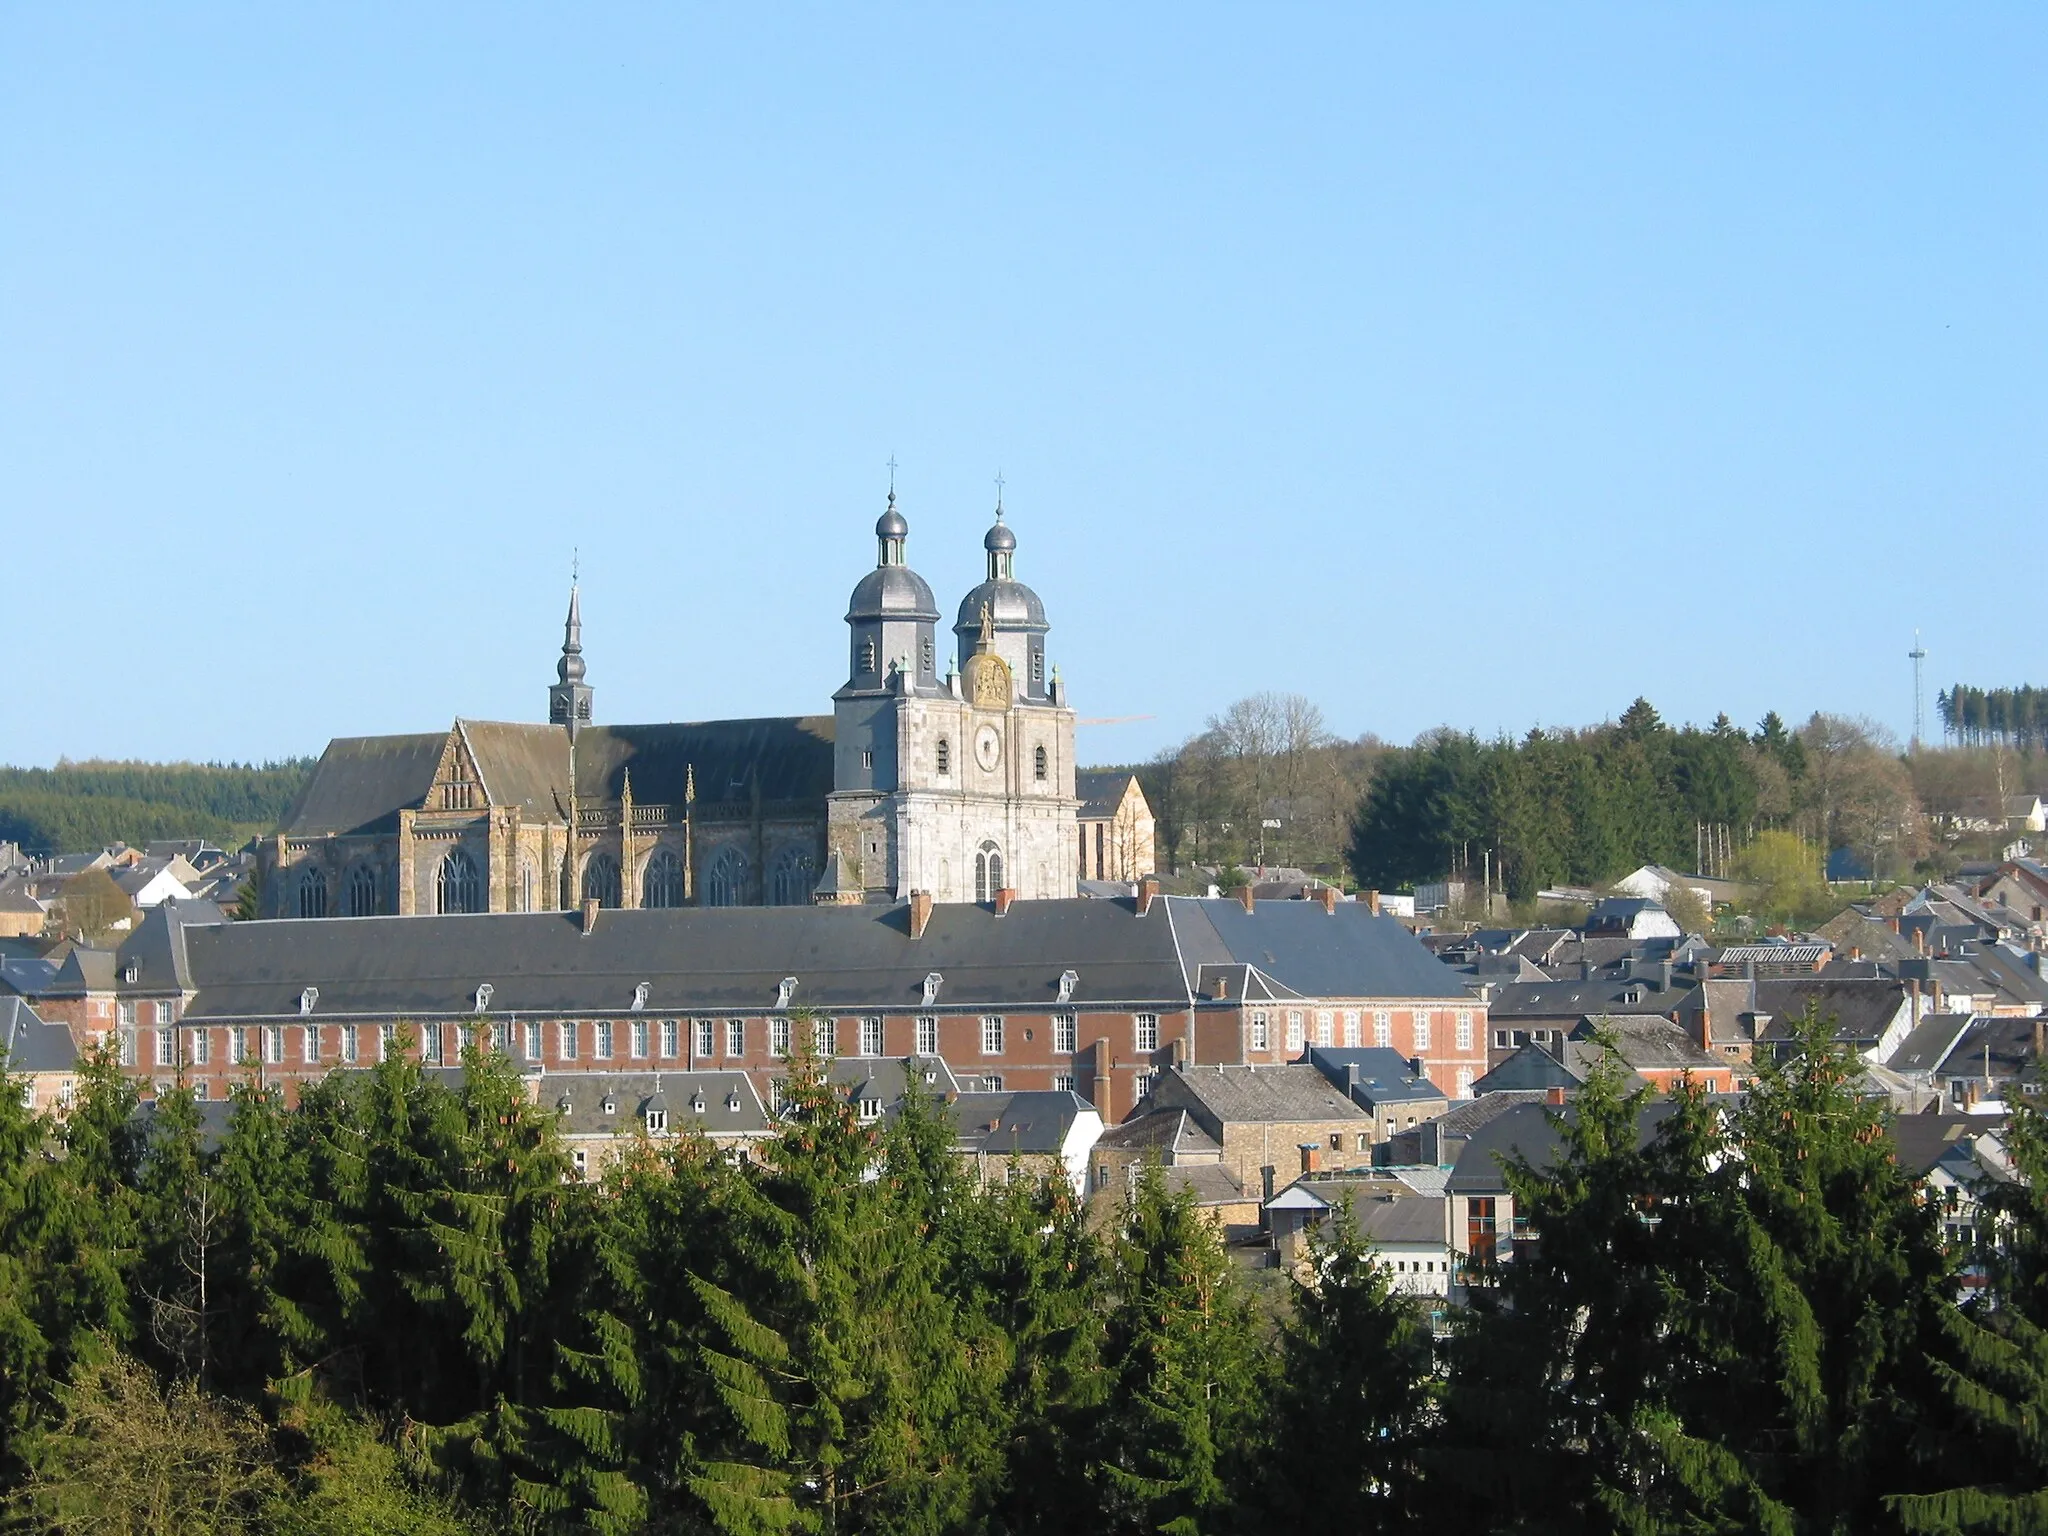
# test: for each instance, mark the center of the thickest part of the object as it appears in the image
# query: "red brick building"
(1095, 996)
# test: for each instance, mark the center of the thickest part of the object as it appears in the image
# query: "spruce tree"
(1185, 1371)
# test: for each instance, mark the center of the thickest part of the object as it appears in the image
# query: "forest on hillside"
(77, 807)
(393, 1308)
(1267, 782)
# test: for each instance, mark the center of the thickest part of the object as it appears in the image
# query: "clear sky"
(1482, 365)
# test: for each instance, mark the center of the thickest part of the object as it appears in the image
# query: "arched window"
(526, 884)
(1038, 763)
(793, 879)
(662, 883)
(601, 881)
(457, 887)
(725, 881)
(988, 872)
(312, 894)
(362, 891)
(1037, 665)
(945, 755)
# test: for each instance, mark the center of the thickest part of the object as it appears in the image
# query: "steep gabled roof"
(1229, 1095)
(1345, 952)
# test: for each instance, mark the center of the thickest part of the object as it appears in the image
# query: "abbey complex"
(951, 775)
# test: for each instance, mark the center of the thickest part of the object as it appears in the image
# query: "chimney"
(589, 914)
(1554, 1097)
(2040, 1038)
(1220, 987)
(1372, 901)
(1416, 1067)
(1328, 897)
(920, 912)
(1003, 899)
(1351, 1079)
(1664, 975)
(1266, 1179)
(1855, 952)
(1311, 1157)
(1919, 941)
(1913, 992)
(1243, 897)
(1148, 892)
(1703, 1037)
(1177, 1049)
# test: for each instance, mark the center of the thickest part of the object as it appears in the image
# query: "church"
(959, 784)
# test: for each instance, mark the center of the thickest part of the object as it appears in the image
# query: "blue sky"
(1487, 366)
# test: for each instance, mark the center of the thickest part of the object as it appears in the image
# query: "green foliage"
(2008, 716)
(77, 807)
(1578, 807)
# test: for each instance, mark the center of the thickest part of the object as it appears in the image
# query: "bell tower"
(569, 698)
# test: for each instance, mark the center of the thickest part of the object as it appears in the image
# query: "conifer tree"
(1994, 1463)
(1353, 1395)
(1185, 1371)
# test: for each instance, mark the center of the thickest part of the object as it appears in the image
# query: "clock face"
(988, 747)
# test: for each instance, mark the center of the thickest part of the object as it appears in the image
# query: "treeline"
(1582, 807)
(78, 807)
(1267, 758)
(392, 1309)
(1976, 717)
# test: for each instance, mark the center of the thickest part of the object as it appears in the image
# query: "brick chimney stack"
(1328, 897)
(1148, 892)
(589, 914)
(1243, 896)
(920, 913)
(1003, 899)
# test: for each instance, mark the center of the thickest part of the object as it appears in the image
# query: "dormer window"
(1068, 981)
(307, 999)
(871, 1109)
(657, 1121)
(483, 997)
(640, 996)
(784, 990)
(732, 1103)
(562, 1105)
(697, 1105)
(933, 980)
(129, 973)
(610, 1106)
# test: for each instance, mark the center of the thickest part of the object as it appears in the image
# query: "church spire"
(569, 698)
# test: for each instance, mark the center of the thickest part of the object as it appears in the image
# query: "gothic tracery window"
(725, 880)
(312, 894)
(662, 883)
(793, 878)
(362, 891)
(601, 882)
(457, 886)
(988, 872)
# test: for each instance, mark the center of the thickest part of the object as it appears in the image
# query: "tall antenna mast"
(1918, 655)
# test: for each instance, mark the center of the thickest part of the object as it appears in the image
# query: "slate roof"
(708, 959)
(1101, 792)
(1255, 1095)
(1211, 1183)
(362, 782)
(1024, 1123)
(30, 1043)
(1862, 1009)
(1930, 1042)
(1347, 952)
(883, 1077)
(1653, 1044)
(1173, 1132)
(1573, 1000)
(1531, 1132)
(731, 1106)
(1920, 1141)
(1383, 1075)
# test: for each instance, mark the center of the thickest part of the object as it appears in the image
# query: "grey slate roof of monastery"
(361, 783)
(1023, 1123)
(714, 959)
(1270, 1095)
(1576, 999)
(30, 1043)
(731, 1107)
(1347, 952)
(1100, 792)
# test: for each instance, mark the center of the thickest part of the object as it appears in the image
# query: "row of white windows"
(640, 1037)
(1328, 1021)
